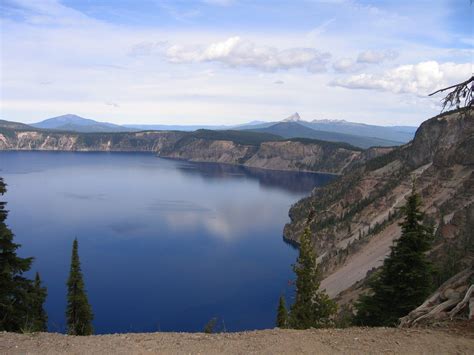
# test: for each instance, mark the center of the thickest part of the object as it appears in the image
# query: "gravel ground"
(276, 341)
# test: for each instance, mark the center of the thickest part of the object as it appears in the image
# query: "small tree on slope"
(79, 313)
(312, 308)
(405, 279)
(38, 297)
(282, 315)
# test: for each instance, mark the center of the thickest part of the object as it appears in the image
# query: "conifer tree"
(79, 313)
(312, 307)
(38, 314)
(282, 315)
(405, 279)
(14, 288)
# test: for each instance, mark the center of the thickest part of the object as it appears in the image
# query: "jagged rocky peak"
(293, 118)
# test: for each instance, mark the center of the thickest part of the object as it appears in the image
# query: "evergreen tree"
(312, 308)
(79, 313)
(282, 315)
(14, 288)
(405, 279)
(38, 297)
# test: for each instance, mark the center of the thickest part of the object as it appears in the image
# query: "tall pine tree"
(405, 279)
(312, 307)
(282, 314)
(79, 313)
(15, 301)
(38, 297)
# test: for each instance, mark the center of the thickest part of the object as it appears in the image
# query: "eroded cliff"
(230, 147)
(354, 220)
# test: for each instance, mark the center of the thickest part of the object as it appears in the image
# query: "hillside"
(253, 149)
(74, 123)
(274, 341)
(354, 220)
(294, 129)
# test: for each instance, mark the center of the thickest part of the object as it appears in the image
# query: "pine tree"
(79, 313)
(405, 279)
(312, 308)
(282, 315)
(38, 314)
(14, 288)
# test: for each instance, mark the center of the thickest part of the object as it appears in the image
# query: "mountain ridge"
(354, 219)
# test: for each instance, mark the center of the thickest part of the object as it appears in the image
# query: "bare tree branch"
(461, 95)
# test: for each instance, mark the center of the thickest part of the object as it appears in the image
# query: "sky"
(231, 61)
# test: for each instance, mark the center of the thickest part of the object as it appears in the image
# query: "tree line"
(22, 300)
(403, 282)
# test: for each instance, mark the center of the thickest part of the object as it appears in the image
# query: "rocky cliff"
(354, 220)
(231, 147)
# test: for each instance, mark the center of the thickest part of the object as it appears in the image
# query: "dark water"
(164, 245)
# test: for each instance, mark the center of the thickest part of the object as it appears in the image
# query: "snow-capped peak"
(293, 118)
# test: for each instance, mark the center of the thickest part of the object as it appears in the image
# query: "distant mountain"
(293, 118)
(189, 128)
(74, 123)
(394, 133)
(164, 127)
(292, 129)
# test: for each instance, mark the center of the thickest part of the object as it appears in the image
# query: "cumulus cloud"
(375, 57)
(419, 79)
(235, 52)
(345, 65)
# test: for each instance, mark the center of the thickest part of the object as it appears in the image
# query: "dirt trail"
(276, 341)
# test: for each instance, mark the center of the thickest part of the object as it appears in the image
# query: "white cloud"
(419, 79)
(345, 65)
(235, 52)
(374, 57)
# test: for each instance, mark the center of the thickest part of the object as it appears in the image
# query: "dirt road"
(276, 341)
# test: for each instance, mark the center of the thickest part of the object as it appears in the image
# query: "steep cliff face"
(230, 147)
(354, 220)
(277, 155)
(67, 141)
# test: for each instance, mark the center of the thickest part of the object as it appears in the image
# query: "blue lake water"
(164, 245)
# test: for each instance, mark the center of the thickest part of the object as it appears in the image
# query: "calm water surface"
(164, 245)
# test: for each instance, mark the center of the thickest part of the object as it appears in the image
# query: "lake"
(164, 245)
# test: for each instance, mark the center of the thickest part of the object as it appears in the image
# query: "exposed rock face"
(280, 155)
(67, 141)
(306, 155)
(355, 219)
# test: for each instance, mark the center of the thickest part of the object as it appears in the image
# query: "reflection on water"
(164, 245)
(293, 181)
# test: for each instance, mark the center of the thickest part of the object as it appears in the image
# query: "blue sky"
(231, 61)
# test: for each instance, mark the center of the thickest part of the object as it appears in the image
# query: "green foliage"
(326, 144)
(282, 314)
(79, 313)
(210, 326)
(312, 307)
(405, 279)
(238, 137)
(18, 299)
(39, 322)
(344, 317)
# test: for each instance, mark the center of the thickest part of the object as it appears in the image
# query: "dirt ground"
(275, 341)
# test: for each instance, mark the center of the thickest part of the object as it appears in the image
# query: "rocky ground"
(459, 340)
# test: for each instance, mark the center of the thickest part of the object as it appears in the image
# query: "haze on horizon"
(231, 61)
